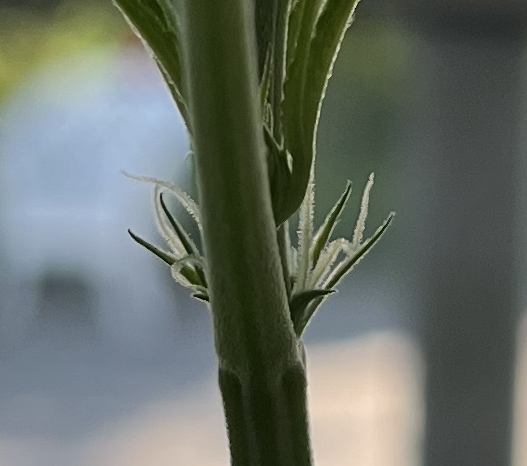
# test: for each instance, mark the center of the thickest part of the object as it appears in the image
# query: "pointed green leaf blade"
(186, 201)
(187, 243)
(303, 16)
(360, 226)
(176, 95)
(189, 246)
(165, 229)
(155, 23)
(293, 30)
(299, 304)
(265, 83)
(305, 235)
(324, 233)
(341, 271)
(279, 172)
(301, 29)
(279, 65)
(295, 136)
(201, 297)
(305, 86)
(346, 266)
(331, 27)
(327, 258)
(265, 19)
(164, 256)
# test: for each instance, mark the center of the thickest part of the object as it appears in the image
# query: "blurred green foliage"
(32, 38)
(362, 119)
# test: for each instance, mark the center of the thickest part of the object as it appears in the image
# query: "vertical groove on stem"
(238, 431)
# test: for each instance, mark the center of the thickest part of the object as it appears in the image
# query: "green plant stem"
(283, 248)
(261, 374)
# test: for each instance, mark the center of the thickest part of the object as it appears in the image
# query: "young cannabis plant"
(249, 78)
(315, 268)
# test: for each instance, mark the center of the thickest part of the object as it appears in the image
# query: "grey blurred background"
(421, 357)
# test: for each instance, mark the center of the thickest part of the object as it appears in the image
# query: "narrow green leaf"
(188, 272)
(176, 95)
(155, 23)
(293, 266)
(340, 272)
(271, 142)
(345, 267)
(303, 16)
(279, 64)
(327, 258)
(201, 297)
(331, 27)
(305, 234)
(299, 304)
(186, 201)
(279, 171)
(301, 29)
(164, 256)
(324, 232)
(265, 21)
(320, 32)
(293, 29)
(165, 229)
(187, 243)
(265, 83)
(360, 226)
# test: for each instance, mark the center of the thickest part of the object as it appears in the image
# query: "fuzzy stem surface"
(261, 374)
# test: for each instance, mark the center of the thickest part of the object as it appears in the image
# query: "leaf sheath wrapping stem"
(267, 425)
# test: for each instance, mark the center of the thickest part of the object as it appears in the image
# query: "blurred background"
(421, 359)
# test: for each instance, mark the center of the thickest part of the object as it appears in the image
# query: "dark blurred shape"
(467, 94)
(31, 4)
(66, 300)
(65, 136)
(482, 18)
(39, 5)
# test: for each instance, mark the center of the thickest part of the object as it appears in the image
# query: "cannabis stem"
(262, 377)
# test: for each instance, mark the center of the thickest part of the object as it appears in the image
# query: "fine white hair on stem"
(325, 261)
(334, 273)
(293, 261)
(361, 220)
(164, 227)
(305, 234)
(186, 201)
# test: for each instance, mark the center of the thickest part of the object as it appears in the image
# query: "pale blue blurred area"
(66, 136)
(91, 325)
